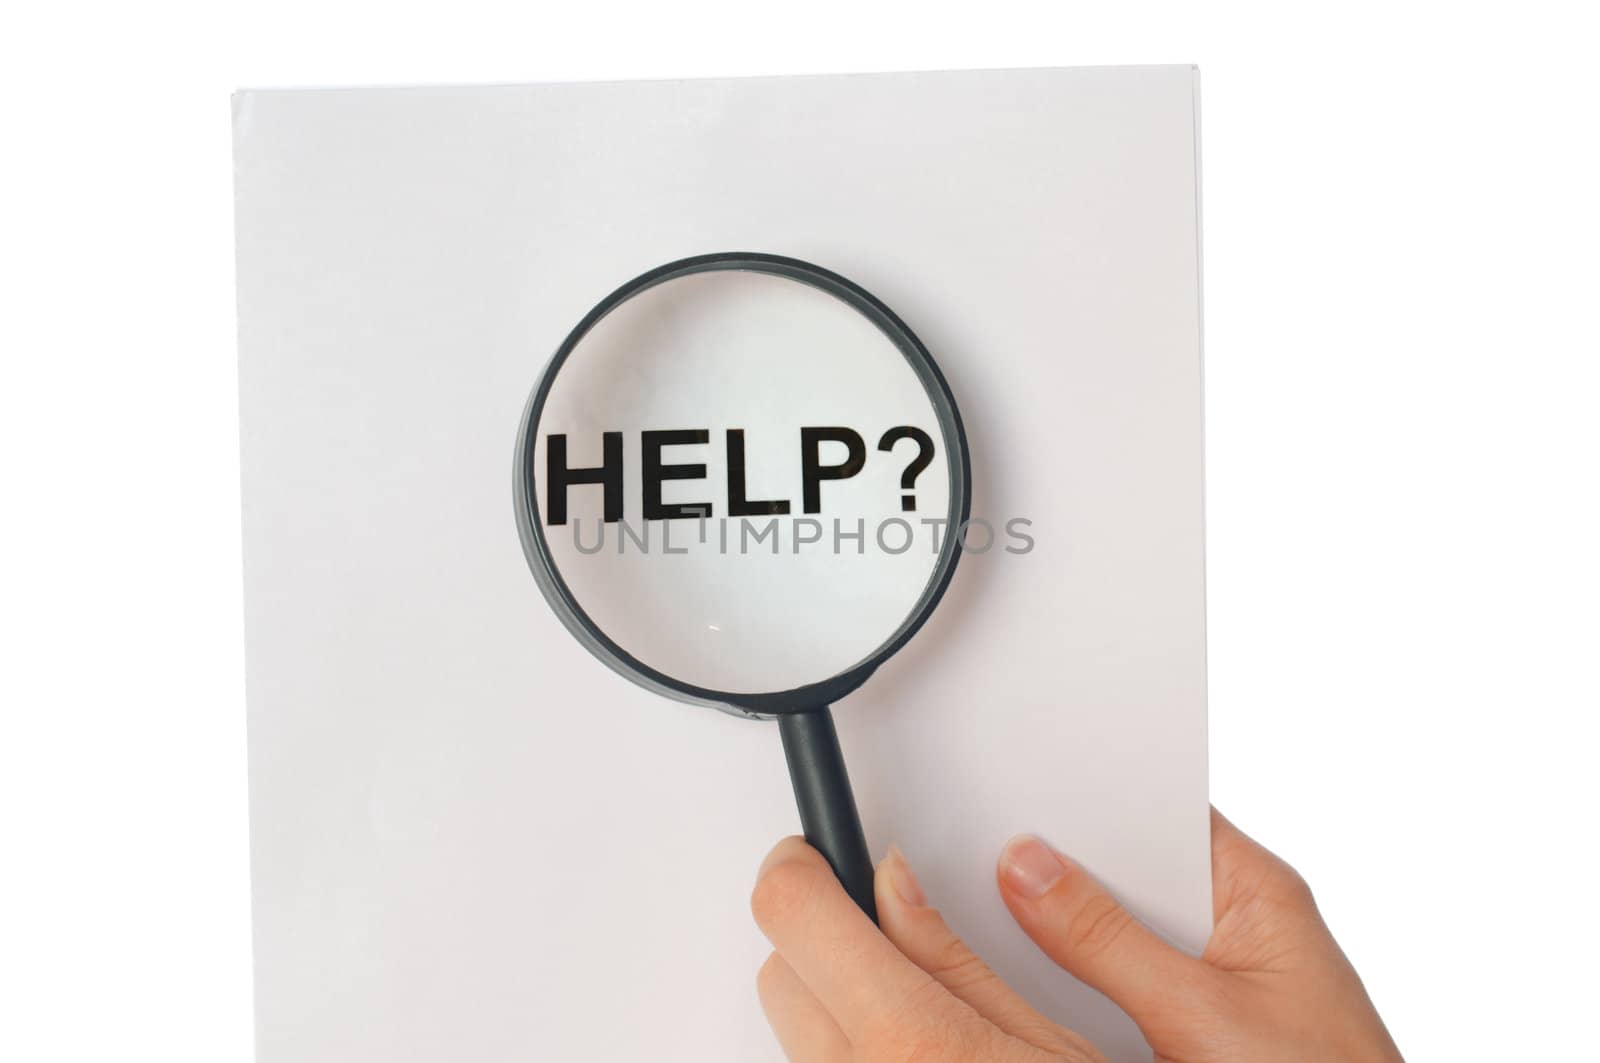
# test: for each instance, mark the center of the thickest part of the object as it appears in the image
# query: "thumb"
(1078, 925)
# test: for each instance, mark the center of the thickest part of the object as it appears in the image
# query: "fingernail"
(1029, 866)
(904, 882)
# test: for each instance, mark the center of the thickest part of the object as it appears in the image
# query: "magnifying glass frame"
(767, 704)
(810, 743)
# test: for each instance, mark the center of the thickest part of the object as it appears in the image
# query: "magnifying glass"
(740, 482)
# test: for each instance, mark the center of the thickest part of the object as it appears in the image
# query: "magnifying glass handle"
(827, 807)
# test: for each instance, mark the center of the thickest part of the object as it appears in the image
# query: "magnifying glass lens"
(742, 481)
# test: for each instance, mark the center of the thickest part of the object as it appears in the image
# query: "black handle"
(827, 807)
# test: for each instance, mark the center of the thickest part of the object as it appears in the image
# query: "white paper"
(471, 840)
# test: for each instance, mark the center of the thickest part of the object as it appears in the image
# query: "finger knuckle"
(958, 1040)
(956, 965)
(924, 1036)
(935, 1046)
(892, 1032)
(1292, 887)
(1096, 926)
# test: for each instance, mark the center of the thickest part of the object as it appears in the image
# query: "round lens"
(743, 478)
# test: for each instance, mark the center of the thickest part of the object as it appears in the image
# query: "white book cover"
(471, 840)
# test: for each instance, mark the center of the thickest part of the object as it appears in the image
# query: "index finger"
(857, 973)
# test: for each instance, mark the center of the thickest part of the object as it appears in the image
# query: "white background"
(1401, 278)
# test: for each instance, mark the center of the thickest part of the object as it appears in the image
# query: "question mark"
(908, 501)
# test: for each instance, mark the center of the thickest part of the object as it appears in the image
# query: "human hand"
(1272, 983)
